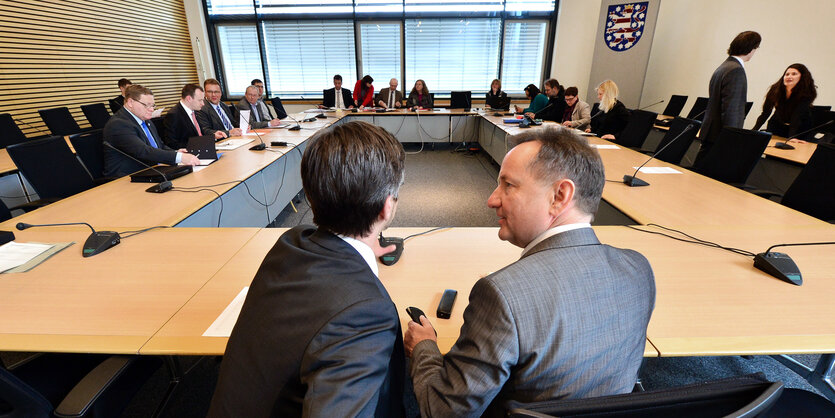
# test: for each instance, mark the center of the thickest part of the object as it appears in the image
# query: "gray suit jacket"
(263, 112)
(568, 320)
(581, 115)
(384, 96)
(728, 92)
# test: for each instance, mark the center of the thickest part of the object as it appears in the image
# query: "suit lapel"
(574, 238)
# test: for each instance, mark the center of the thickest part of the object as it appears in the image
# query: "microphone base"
(783, 145)
(634, 181)
(779, 265)
(259, 147)
(295, 127)
(160, 188)
(100, 241)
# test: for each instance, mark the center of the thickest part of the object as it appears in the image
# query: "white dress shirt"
(338, 99)
(365, 251)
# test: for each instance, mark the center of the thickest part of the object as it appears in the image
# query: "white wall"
(692, 37)
(574, 43)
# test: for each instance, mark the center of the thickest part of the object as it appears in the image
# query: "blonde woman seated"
(615, 116)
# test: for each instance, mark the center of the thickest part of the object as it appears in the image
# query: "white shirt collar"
(740, 61)
(139, 121)
(188, 110)
(365, 251)
(554, 231)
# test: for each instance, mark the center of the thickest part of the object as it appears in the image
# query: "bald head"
(393, 84)
(253, 93)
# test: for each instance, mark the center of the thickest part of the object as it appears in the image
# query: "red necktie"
(196, 125)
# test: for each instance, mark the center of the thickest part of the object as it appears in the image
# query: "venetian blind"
(58, 53)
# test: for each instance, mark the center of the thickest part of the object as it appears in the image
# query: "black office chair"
(72, 385)
(697, 112)
(675, 105)
(51, 168)
(813, 191)
(96, 114)
(114, 105)
(636, 130)
(279, 108)
(5, 213)
(733, 157)
(59, 121)
(748, 107)
(820, 114)
(675, 152)
(159, 124)
(88, 147)
(744, 396)
(10, 133)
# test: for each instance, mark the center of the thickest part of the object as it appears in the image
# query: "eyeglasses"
(148, 106)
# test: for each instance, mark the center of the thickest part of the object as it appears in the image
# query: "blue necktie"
(223, 118)
(148, 134)
(255, 112)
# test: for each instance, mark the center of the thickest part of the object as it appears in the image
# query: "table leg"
(820, 377)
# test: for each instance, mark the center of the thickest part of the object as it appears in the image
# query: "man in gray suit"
(259, 115)
(728, 91)
(390, 97)
(567, 320)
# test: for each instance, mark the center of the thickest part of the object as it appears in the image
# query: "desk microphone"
(633, 180)
(258, 147)
(785, 145)
(528, 121)
(297, 126)
(97, 242)
(648, 106)
(162, 187)
(780, 265)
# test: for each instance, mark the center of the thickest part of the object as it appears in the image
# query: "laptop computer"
(502, 103)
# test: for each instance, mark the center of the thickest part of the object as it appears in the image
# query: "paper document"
(231, 144)
(605, 146)
(222, 327)
(206, 161)
(157, 113)
(244, 122)
(13, 254)
(658, 170)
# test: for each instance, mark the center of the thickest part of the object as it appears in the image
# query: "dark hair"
(744, 43)
(532, 90)
(552, 82)
(210, 81)
(135, 91)
(348, 172)
(425, 90)
(337, 77)
(255, 80)
(572, 91)
(805, 88)
(189, 89)
(566, 155)
(124, 82)
(367, 79)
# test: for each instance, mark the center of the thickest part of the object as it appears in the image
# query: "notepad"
(658, 170)
(605, 146)
(222, 327)
(14, 254)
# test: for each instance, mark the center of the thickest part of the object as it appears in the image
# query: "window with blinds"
(524, 53)
(302, 7)
(304, 55)
(452, 6)
(240, 56)
(380, 45)
(452, 54)
(378, 6)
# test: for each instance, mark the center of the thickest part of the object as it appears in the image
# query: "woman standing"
(615, 115)
(419, 97)
(364, 92)
(791, 99)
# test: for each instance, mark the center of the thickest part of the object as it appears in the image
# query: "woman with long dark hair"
(364, 92)
(791, 99)
(538, 100)
(419, 97)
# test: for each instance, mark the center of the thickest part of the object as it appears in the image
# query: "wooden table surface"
(799, 155)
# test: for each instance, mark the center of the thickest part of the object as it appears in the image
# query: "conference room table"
(157, 293)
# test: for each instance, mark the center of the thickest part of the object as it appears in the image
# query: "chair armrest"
(743, 186)
(768, 194)
(35, 204)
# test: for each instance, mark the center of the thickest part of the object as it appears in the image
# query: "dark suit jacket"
(611, 122)
(329, 97)
(384, 96)
(116, 103)
(568, 320)
(210, 121)
(554, 110)
(726, 101)
(178, 127)
(124, 133)
(318, 334)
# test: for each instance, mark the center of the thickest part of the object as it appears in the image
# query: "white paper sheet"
(13, 254)
(658, 170)
(222, 327)
(231, 144)
(244, 122)
(605, 146)
(157, 113)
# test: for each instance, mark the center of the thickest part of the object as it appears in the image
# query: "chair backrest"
(96, 114)
(5, 215)
(636, 130)
(675, 151)
(734, 155)
(698, 109)
(813, 191)
(88, 147)
(279, 108)
(51, 168)
(10, 133)
(59, 121)
(22, 399)
(821, 115)
(748, 107)
(675, 105)
(114, 105)
(159, 123)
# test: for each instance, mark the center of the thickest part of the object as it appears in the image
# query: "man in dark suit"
(728, 91)
(259, 114)
(337, 97)
(556, 102)
(181, 121)
(390, 97)
(567, 320)
(129, 131)
(117, 102)
(318, 335)
(215, 116)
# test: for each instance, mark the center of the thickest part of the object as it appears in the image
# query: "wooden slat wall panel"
(57, 53)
